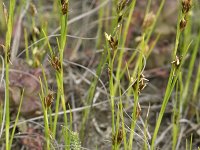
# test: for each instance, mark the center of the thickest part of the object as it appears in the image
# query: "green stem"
(125, 32)
(7, 53)
(170, 86)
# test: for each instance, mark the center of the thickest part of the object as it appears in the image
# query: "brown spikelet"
(64, 6)
(176, 62)
(55, 63)
(142, 83)
(48, 99)
(36, 31)
(117, 137)
(32, 9)
(121, 5)
(183, 23)
(186, 6)
(112, 41)
(148, 20)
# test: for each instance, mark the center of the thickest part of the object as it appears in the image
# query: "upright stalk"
(7, 55)
(63, 40)
(125, 32)
(177, 64)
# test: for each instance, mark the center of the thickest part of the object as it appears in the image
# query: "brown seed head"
(148, 20)
(55, 63)
(36, 31)
(112, 41)
(142, 83)
(176, 62)
(121, 5)
(33, 9)
(48, 99)
(186, 6)
(64, 5)
(183, 23)
(118, 137)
